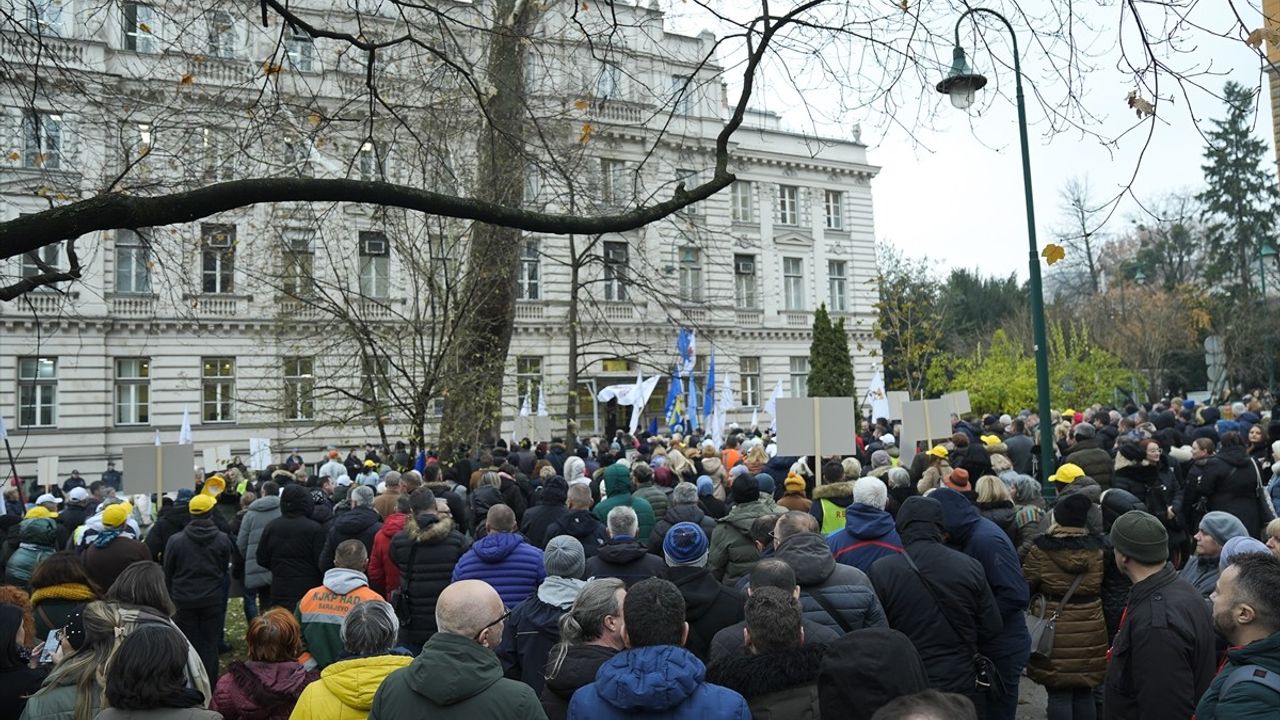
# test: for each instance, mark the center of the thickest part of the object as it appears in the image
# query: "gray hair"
(623, 521)
(369, 628)
(362, 497)
(490, 478)
(897, 477)
(392, 478)
(685, 493)
(1025, 489)
(870, 491)
(584, 621)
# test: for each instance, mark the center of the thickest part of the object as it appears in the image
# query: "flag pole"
(13, 467)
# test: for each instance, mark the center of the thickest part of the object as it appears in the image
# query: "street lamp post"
(962, 84)
(1265, 256)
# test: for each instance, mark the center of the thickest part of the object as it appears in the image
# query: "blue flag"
(421, 464)
(674, 400)
(653, 426)
(685, 349)
(709, 393)
(691, 410)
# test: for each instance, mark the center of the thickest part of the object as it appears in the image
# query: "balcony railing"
(133, 306)
(799, 319)
(529, 312)
(749, 317)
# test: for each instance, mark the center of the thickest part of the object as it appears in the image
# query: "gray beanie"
(1141, 536)
(564, 557)
(1222, 526)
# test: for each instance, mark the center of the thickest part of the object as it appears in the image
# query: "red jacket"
(384, 574)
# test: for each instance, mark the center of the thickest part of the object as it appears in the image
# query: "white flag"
(524, 406)
(876, 397)
(158, 443)
(771, 405)
(640, 398)
(755, 418)
(184, 433)
(4, 434)
(542, 402)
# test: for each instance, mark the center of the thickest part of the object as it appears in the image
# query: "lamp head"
(1139, 276)
(1269, 251)
(962, 84)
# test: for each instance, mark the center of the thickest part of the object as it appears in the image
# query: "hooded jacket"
(984, 541)
(658, 681)
(104, 564)
(617, 485)
(1093, 460)
(171, 522)
(256, 518)
(1056, 559)
(321, 611)
(582, 525)
(195, 564)
(384, 574)
(781, 685)
(657, 497)
(549, 509)
(830, 503)
(868, 535)
(1230, 481)
(1244, 699)
(846, 589)
(579, 667)
(253, 690)
(504, 560)
(1142, 481)
(454, 678)
(360, 523)
(945, 636)
(425, 553)
(623, 557)
(38, 538)
(290, 548)
(864, 670)
(533, 628)
(709, 607)
(733, 553)
(675, 515)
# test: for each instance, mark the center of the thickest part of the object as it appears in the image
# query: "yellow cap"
(40, 511)
(370, 463)
(1067, 474)
(116, 515)
(937, 451)
(990, 440)
(1068, 412)
(201, 504)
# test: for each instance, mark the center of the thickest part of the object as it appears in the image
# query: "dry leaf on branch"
(1255, 39)
(187, 79)
(1053, 253)
(586, 133)
(270, 68)
(581, 104)
(314, 119)
(14, 156)
(902, 4)
(1141, 106)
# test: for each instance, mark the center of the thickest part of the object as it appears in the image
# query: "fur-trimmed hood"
(755, 675)
(834, 491)
(428, 528)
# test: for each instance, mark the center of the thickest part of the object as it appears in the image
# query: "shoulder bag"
(1041, 627)
(1266, 510)
(986, 678)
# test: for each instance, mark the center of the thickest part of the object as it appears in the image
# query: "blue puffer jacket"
(504, 560)
(659, 681)
(868, 535)
(984, 541)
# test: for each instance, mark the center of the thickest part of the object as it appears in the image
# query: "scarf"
(105, 537)
(65, 591)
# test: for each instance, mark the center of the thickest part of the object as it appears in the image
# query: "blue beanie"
(706, 485)
(185, 494)
(685, 544)
(765, 481)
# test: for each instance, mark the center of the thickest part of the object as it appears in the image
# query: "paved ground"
(1031, 701)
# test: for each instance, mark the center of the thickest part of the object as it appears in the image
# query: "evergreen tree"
(842, 375)
(1241, 199)
(830, 367)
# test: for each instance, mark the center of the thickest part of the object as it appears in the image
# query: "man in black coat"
(1162, 657)
(624, 557)
(683, 508)
(580, 522)
(290, 548)
(550, 508)
(709, 606)
(195, 570)
(943, 603)
(360, 522)
(1086, 453)
(425, 551)
(172, 520)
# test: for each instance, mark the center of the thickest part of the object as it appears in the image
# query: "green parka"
(733, 553)
(617, 486)
(1246, 700)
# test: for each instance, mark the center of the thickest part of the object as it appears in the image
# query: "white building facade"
(208, 317)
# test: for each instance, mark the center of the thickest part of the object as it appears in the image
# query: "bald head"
(466, 607)
(500, 519)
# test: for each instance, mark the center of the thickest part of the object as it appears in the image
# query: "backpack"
(1250, 673)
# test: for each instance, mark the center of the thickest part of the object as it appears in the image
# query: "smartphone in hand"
(50, 644)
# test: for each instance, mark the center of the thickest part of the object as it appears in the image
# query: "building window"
(691, 274)
(833, 201)
(140, 25)
(44, 17)
(136, 139)
(530, 280)
(217, 389)
(743, 207)
(799, 377)
(681, 94)
(42, 140)
(133, 391)
(586, 409)
(375, 265)
(528, 378)
(369, 170)
(749, 388)
(532, 183)
(133, 260)
(300, 49)
(837, 286)
(298, 273)
(297, 156)
(375, 383)
(690, 180)
(617, 365)
(744, 281)
(609, 84)
(46, 255)
(788, 205)
(616, 257)
(299, 388)
(793, 283)
(217, 258)
(218, 154)
(37, 391)
(613, 181)
(222, 33)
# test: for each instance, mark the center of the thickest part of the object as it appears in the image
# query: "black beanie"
(1131, 451)
(1072, 510)
(745, 489)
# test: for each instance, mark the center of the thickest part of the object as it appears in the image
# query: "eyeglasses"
(497, 622)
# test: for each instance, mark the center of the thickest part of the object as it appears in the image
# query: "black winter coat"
(709, 607)
(1093, 460)
(677, 514)
(845, 588)
(578, 669)
(1002, 514)
(1143, 482)
(584, 526)
(1163, 657)
(626, 559)
(974, 459)
(530, 633)
(549, 509)
(362, 523)
(290, 548)
(481, 499)
(425, 551)
(1230, 482)
(946, 631)
(170, 523)
(196, 563)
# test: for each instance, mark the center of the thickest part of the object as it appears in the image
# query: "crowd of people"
(670, 576)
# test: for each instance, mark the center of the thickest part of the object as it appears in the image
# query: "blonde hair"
(852, 468)
(757, 455)
(1000, 463)
(1273, 528)
(991, 489)
(87, 667)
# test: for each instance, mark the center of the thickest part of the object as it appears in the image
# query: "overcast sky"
(954, 193)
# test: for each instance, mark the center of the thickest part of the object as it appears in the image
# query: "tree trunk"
(473, 384)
